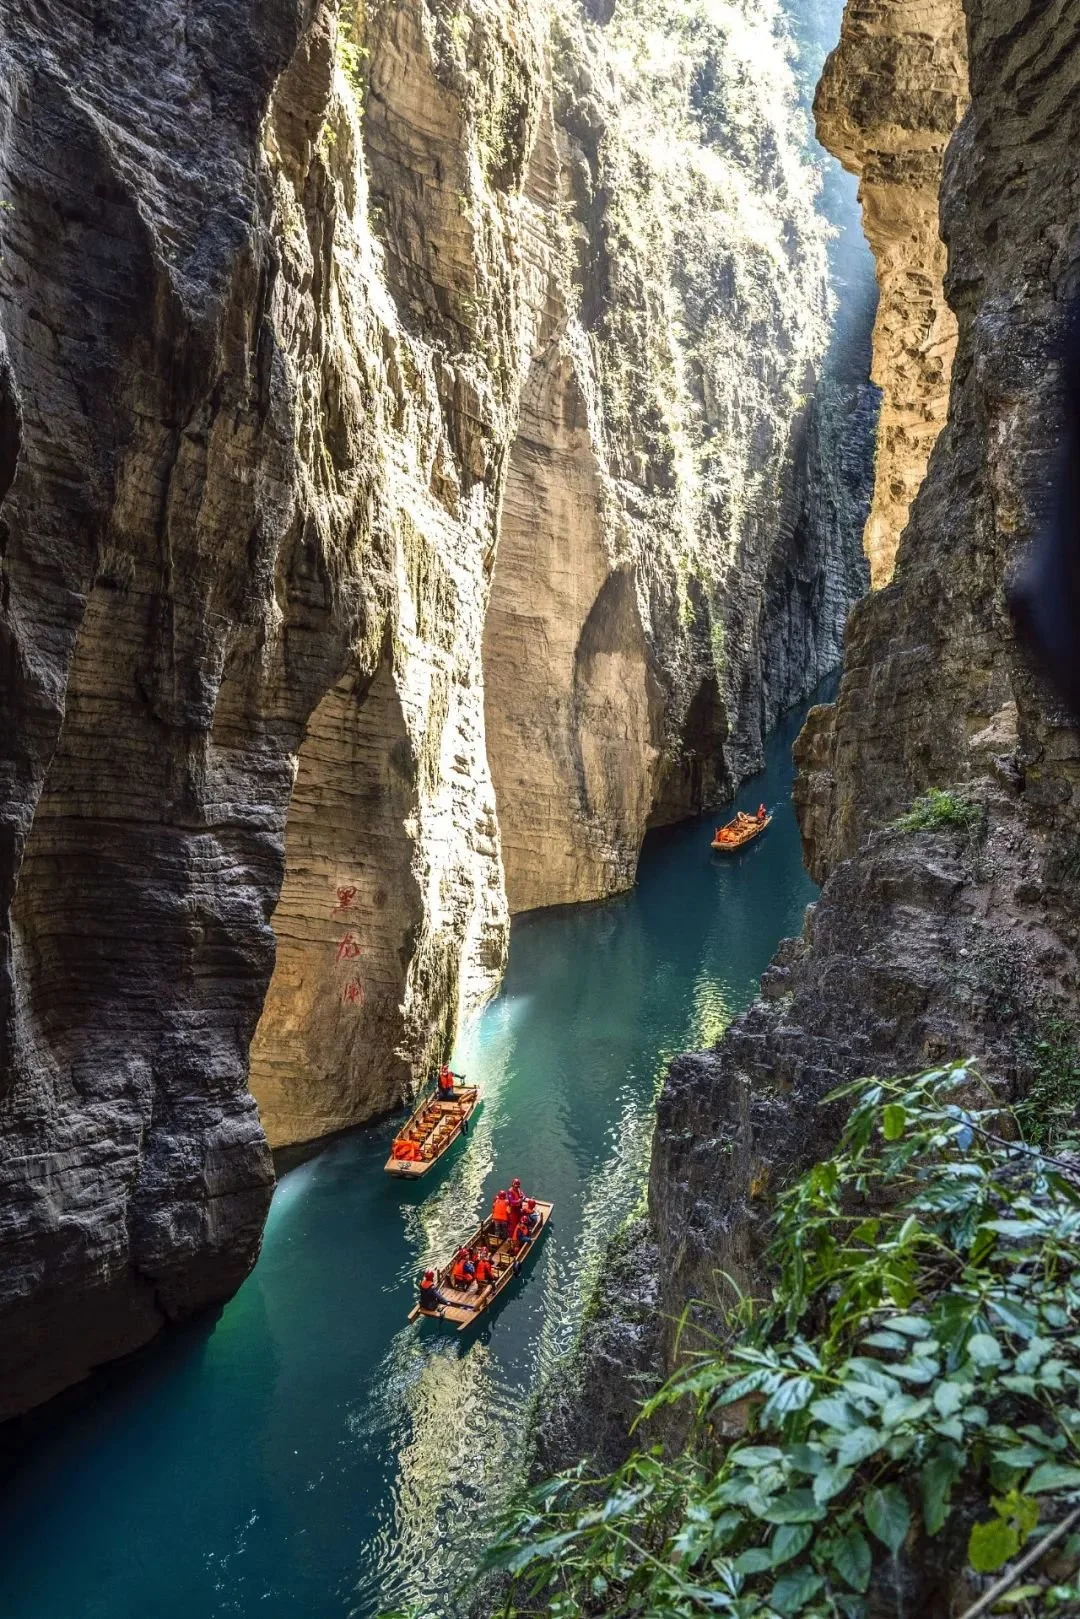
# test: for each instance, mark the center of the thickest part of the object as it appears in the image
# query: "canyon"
(942, 938)
(943, 942)
(433, 458)
(422, 472)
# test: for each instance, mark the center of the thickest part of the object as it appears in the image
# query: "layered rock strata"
(249, 504)
(309, 315)
(664, 553)
(889, 99)
(924, 945)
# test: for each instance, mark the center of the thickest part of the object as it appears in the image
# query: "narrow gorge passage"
(309, 1455)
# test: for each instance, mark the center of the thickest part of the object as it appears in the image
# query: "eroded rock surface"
(317, 324)
(889, 99)
(923, 946)
(676, 557)
(248, 512)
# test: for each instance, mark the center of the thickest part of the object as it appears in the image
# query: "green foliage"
(920, 1348)
(1048, 1112)
(351, 55)
(940, 809)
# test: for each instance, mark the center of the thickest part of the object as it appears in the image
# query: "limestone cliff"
(934, 943)
(645, 585)
(253, 457)
(889, 99)
(317, 326)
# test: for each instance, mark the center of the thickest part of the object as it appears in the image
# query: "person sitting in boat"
(463, 1270)
(485, 1270)
(500, 1215)
(523, 1232)
(762, 814)
(430, 1297)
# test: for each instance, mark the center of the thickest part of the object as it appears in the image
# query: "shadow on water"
(308, 1454)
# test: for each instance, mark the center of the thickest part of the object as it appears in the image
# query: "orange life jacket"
(457, 1274)
(500, 1209)
(484, 1272)
(446, 1079)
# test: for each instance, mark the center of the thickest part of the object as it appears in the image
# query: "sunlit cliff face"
(576, 290)
(890, 97)
(626, 636)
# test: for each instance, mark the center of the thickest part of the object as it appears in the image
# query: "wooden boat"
(463, 1306)
(435, 1126)
(739, 832)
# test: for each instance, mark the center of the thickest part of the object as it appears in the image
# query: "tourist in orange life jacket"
(500, 1215)
(430, 1297)
(762, 812)
(515, 1200)
(463, 1270)
(485, 1273)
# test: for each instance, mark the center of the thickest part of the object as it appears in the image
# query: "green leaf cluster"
(1050, 1110)
(921, 1349)
(938, 810)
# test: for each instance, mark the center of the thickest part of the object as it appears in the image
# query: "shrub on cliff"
(915, 1376)
(940, 809)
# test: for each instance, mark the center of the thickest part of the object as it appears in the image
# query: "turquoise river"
(308, 1454)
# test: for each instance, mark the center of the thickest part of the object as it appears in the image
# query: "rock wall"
(933, 944)
(668, 576)
(249, 504)
(317, 324)
(889, 99)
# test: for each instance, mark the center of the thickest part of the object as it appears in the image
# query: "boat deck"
(444, 1121)
(464, 1306)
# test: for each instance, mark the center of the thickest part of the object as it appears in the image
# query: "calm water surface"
(309, 1455)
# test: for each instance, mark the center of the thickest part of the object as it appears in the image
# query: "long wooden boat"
(435, 1126)
(739, 832)
(464, 1306)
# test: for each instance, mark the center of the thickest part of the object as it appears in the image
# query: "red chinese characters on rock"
(353, 993)
(345, 897)
(348, 949)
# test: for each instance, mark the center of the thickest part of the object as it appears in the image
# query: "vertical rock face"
(816, 572)
(392, 917)
(319, 324)
(890, 97)
(934, 944)
(646, 623)
(249, 504)
(152, 559)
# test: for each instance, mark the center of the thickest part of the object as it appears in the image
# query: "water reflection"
(310, 1454)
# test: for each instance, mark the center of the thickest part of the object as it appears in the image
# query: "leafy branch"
(917, 1366)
